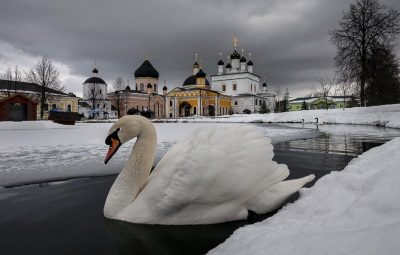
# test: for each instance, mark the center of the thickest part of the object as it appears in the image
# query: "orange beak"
(114, 146)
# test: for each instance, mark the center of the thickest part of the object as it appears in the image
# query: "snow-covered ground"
(355, 211)
(42, 150)
(385, 115)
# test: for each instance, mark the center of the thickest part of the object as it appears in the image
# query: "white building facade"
(95, 95)
(237, 80)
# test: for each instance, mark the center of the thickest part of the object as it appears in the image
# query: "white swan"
(216, 175)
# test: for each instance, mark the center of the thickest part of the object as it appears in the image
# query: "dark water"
(66, 217)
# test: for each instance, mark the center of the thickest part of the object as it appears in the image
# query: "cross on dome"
(235, 41)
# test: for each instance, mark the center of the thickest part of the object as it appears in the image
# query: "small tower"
(201, 78)
(243, 62)
(164, 89)
(228, 66)
(250, 64)
(264, 87)
(149, 89)
(235, 57)
(220, 64)
(196, 66)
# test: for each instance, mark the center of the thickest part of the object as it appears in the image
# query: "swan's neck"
(140, 162)
(133, 177)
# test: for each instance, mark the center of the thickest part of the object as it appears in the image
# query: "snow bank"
(385, 115)
(355, 211)
(42, 150)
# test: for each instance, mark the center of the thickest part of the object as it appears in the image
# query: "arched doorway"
(211, 110)
(184, 109)
(246, 111)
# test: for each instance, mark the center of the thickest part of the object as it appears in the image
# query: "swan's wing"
(224, 164)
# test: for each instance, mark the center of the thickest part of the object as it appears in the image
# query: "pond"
(66, 217)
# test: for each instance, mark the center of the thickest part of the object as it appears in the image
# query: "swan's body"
(215, 175)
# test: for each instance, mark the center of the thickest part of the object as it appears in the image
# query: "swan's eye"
(112, 135)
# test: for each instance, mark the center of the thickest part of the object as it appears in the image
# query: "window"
(223, 87)
(154, 88)
(170, 114)
(54, 106)
(141, 87)
(234, 87)
(69, 108)
(194, 110)
(255, 101)
(235, 102)
(104, 105)
(251, 87)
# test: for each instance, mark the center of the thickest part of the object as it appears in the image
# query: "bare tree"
(344, 87)
(46, 75)
(365, 24)
(326, 84)
(96, 97)
(118, 98)
(11, 78)
(278, 97)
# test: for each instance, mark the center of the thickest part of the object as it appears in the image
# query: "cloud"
(289, 39)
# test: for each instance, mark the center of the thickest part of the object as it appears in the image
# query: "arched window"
(141, 87)
(170, 103)
(194, 110)
(137, 107)
(155, 88)
(235, 102)
(255, 101)
(136, 87)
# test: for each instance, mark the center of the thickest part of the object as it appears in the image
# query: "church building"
(142, 98)
(95, 96)
(196, 98)
(239, 81)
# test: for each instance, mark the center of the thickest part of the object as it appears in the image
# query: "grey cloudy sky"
(289, 40)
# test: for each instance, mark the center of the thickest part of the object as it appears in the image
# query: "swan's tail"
(273, 197)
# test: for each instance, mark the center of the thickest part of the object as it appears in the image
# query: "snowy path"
(41, 150)
(355, 211)
(385, 115)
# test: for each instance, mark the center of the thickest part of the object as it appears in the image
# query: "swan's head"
(125, 129)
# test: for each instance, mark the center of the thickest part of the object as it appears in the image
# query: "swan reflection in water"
(163, 239)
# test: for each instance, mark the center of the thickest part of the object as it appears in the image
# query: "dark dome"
(220, 62)
(201, 74)
(242, 59)
(191, 80)
(235, 55)
(250, 63)
(95, 80)
(228, 65)
(95, 70)
(146, 70)
(165, 88)
(149, 86)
